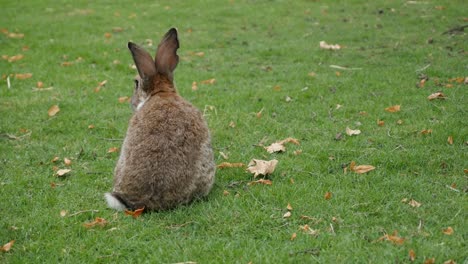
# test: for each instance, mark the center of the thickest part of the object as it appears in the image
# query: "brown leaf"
(232, 124)
(450, 261)
(7, 247)
(22, 76)
(394, 238)
(223, 165)
(15, 35)
(62, 172)
(448, 231)
(297, 152)
(360, 169)
(287, 214)
(328, 195)
(259, 114)
(112, 150)
(39, 84)
(91, 126)
(261, 181)
(107, 35)
(306, 229)
(429, 261)
(380, 123)
(450, 140)
(209, 81)
(117, 29)
(53, 110)
(262, 167)
(426, 132)
(136, 213)
(55, 159)
(293, 236)
(15, 58)
(351, 132)
(414, 203)
(124, 99)
(393, 109)
(67, 161)
(289, 140)
(411, 255)
(97, 222)
(289, 207)
(226, 193)
(66, 63)
(275, 147)
(437, 95)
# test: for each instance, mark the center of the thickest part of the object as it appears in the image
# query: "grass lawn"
(272, 82)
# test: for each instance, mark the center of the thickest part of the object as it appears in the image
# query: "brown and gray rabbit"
(166, 158)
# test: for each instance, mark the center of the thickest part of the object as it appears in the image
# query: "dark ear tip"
(130, 45)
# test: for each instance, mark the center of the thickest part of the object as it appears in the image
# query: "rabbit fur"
(166, 158)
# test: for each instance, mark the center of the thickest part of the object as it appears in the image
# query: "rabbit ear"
(143, 61)
(166, 55)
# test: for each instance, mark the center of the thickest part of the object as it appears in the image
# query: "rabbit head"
(156, 75)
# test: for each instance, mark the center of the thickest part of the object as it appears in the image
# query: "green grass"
(249, 48)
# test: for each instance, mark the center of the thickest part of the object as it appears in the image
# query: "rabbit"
(166, 158)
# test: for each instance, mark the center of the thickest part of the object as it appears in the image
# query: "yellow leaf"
(262, 167)
(351, 132)
(223, 165)
(53, 110)
(209, 81)
(394, 238)
(15, 58)
(414, 203)
(328, 195)
(289, 207)
(63, 213)
(62, 172)
(22, 76)
(437, 95)
(360, 168)
(426, 132)
(393, 109)
(450, 140)
(7, 246)
(448, 231)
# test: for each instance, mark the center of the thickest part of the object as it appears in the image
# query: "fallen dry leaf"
(259, 113)
(15, 35)
(97, 222)
(22, 76)
(224, 155)
(351, 132)
(450, 261)
(91, 126)
(394, 238)
(448, 231)
(209, 81)
(411, 255)
(223, 165)
(232, 124)
(360, 168)
(297, 152)
(62, 172)
(117, 29)
(437, 95)
(426, 132)
(380, 123)
(14, 58)
(289, 207)
(53, 110)
(136, 213)
(306, 229)
(112, 150)
(107, 35)
(261, 181)
(194, 86)
(293, 236)
(100, 84)
(325, 45)
(55, 159)
(287, 214)
(429, 261)
(226, 193)
(67, 161)
(7, 246)
(289, 140)
(39, 84)
(414, 203)
(63, 213)
(124, 99)
(275, 147)
(393, 109)
(328, 195)
(450, 140)
(262, 167)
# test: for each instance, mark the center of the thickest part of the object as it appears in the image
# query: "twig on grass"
(84, 211)
(423, 68)
(451, 188)
(344, 68)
